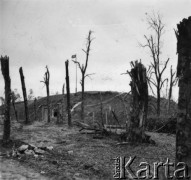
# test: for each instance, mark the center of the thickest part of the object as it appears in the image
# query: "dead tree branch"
(83, 68)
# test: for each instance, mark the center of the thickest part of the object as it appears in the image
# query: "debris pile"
(28, 149)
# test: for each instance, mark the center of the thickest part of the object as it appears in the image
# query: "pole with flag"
(75, 57)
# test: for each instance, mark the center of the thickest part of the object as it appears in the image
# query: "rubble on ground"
(27, 149)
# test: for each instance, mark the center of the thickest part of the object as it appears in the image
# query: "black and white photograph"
(95, 89)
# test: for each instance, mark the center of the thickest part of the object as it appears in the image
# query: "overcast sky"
(36, 33)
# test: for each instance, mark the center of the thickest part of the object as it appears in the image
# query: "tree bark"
(5, 72)
(183, 131)
(68, 93)
(24, 95)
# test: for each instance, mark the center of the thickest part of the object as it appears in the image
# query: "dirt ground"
(75, 155)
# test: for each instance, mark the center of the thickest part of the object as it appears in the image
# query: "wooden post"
(68, 93)
(183, 131)
(7, 80)
(24, 95)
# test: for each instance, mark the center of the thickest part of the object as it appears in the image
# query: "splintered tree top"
(183, 35)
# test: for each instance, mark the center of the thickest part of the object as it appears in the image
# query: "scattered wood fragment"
(124, 143)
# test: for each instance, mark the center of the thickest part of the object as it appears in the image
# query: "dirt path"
(12, 169)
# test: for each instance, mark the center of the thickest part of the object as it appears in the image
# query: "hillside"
(117, 102)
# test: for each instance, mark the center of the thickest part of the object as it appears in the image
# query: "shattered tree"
(183, 131)
(5, 72)
(24, 95)
(46, 82)
(138, 111)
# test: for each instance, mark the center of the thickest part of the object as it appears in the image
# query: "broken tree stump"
(68, 93)
(138, 111)
(24, 95)
(7, 80)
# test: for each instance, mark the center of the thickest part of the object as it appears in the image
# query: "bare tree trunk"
(68, 93)
(82, 104)
(24, 95)
(5, 72)
(183, 131)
